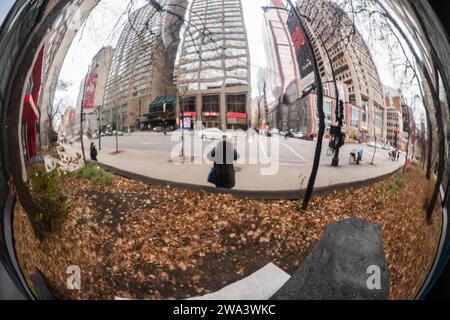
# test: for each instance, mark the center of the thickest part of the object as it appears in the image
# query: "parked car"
(289, 134)
(160, 129)
(119, 133)
(213, 134)
(298, 134)
(307, 136)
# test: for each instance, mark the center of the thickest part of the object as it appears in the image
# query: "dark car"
(290, 134)
(307, 137)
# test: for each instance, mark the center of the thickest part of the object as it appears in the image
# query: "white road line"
(263, 151)
(301, 158)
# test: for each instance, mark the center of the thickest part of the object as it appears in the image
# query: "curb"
(246, 194)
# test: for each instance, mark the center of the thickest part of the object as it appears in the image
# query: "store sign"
(89, 93)
(236, 115)
(210, 114)
(303, 51)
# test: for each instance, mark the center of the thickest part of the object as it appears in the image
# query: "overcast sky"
(5, 6)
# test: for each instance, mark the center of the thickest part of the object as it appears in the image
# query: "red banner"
(89, 93)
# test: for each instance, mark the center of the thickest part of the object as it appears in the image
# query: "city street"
(152, 154)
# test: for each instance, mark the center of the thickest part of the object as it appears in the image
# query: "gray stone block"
(344, 265)
(41, 286)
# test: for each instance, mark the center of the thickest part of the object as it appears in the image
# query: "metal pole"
(319, 86)
(81, 121)
(117, 138)
(99, 129)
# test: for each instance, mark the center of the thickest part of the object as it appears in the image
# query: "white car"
(274, 131)
(213, 134)
(299, 135)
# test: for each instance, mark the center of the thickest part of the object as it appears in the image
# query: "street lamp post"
(321, 114)
(99, 128)
(82, 119)
(164, 120)
(117, 137)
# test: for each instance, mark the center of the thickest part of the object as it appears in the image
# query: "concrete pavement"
(152, 159)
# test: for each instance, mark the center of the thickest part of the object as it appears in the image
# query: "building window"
(188, 104)
(327, 109)
(210, 104)
(365, 119)
(236, 103)
(379, 120)
(355, 118)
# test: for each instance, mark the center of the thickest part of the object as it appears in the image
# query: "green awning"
(159, 102)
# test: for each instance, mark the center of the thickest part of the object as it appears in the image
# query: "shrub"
(381, 201)
(400, 183)
(396, 185)
(50, 201)
(95, 175)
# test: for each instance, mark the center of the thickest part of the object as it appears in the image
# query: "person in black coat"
(93, 152)
(223, 156)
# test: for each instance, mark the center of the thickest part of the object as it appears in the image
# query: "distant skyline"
(107, 20)
(100, 31)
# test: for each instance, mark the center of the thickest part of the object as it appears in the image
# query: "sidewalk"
(290, 176)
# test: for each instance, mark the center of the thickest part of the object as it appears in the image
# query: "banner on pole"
(303, 50)
(89, 93)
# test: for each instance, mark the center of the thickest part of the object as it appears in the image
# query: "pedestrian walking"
(223, 174)
(93, 152)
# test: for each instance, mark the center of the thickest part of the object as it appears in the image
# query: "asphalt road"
(291, 151)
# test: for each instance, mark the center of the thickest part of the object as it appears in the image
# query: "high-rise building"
(213, 78)
(284, 111)
(339, 46)
(394, 112)
(140, 79)
(56, 45)
(91, 97)
(67, 126)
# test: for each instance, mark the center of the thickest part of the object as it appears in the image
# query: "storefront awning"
(160, 101)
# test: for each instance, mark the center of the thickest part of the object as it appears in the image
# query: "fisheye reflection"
(178, 147)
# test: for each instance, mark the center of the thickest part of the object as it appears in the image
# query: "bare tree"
(408, 76)
(335, 33)
(374, 8)
(57, 107)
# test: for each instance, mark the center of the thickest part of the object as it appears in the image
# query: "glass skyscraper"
(214, 73)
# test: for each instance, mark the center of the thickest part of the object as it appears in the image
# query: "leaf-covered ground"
(147, 242)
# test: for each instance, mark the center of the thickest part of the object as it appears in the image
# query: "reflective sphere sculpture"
(168, 149)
